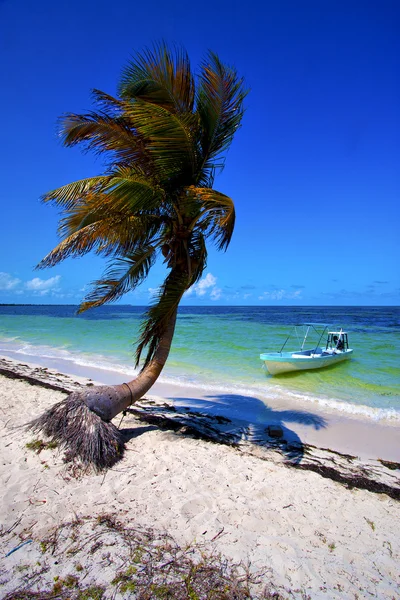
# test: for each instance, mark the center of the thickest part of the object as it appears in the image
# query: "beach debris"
(18, 547)
(218, 534)
(141, 563)
(38, 377)
(36, 501)
(393, 466)
(39, 445)
(274, 431)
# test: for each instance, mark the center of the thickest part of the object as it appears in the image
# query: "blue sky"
(313, 170)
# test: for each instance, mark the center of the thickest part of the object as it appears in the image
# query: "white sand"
(311, 534)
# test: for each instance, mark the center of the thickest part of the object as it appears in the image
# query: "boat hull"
(277, 363)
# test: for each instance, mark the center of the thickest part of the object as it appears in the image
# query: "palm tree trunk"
(82, 422)
(109, 401)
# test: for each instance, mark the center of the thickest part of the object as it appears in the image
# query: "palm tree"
(164, 138)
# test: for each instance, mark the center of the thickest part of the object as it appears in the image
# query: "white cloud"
(280, 295)
(36, 286)
(208, 281)
(153, 292)
(207, 285)
(43, 286)
(7, 282)
(215, 293)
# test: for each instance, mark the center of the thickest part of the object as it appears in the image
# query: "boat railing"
(287, 339)
(308, 325)
(322, 334)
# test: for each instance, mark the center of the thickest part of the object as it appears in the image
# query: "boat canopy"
(342, 335)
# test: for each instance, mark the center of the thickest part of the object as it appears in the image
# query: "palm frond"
(106, 236)
(159, 77)
(78, 243)
(126, 212)
(216, 215)
(133, 193)
(159, 314)
(109, 212)
(109, 104)
(68, 195)
(220, 97)
(170, 138)
(198, 255)
(121, 196)
(123, 275)
(101, 132)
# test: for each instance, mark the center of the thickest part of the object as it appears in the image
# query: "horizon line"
(218, 305)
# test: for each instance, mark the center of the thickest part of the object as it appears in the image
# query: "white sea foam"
(41, 353)
(16, 348)
(331, 404)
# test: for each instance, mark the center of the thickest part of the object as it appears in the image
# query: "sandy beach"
(315, 515)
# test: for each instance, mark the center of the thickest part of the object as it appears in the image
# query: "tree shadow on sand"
(232, 419)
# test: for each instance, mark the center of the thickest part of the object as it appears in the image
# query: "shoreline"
(254, 501)
(302, 422)
(104, 369)
(190, 416)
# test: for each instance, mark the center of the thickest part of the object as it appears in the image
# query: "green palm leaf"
(68, 195)
(80, 243)
(105, 236)
(198, 254)
(159, 77)
(132, 193)
(101, 132)
(122, 276)
(159, 314)
(110, 105)
(220, 97)
(170, 138)
(216, 214)
(122, 195)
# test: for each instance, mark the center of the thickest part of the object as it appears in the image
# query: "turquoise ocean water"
(217, 348)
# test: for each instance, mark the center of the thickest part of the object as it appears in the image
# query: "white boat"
(336, 350)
